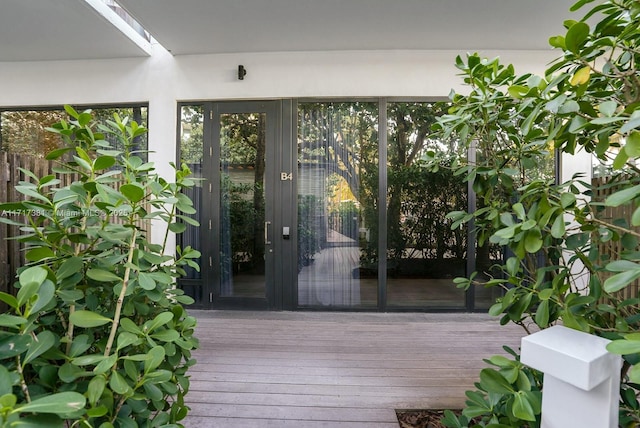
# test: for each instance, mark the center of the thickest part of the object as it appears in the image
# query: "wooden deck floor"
(343, 370)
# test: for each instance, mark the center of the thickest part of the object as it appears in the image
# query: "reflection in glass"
(191, 150)
(337, 204)
(242, 205)
(24, 132)
(423, 254)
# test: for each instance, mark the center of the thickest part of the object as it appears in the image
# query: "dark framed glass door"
(243, 203)
(241, 152)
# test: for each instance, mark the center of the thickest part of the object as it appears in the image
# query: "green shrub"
(97, 334)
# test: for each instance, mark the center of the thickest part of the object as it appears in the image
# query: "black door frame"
(279, 208)
(282, 288)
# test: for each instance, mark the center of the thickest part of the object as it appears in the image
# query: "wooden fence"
(11, 255)
(11, 251)
(603, 187)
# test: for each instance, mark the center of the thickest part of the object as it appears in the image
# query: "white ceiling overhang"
(39, 30)
(232, 26)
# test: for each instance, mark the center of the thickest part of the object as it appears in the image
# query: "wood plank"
(207, 422)
(300, 413)
(290, 399)
(326, 369)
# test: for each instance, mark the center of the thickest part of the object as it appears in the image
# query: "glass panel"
(337, 204)
(23, 132)
(423, 253)
(191, 150)
(242, 205)
(488, 256)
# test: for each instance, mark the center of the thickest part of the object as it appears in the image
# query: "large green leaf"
(119, 384)
(8, 320)
(159, 376)
(620, 160)
(522, 409)
(533, 241)
(160, 320)
(634, 374)
(38, 421)
(88, 360)
(103, 162)
(61, 403)
(105, 365)
(69, 267)
(126, 339)
(557, 42)
(493, 381)
(608, 108)
(130, 326)
(69, 373)
(81, 343)
(634, 122)
(623, 196)
(166, 335)
(44, 341)
(567, 199)
(542, 314)
(621, 280)
(153, 392)
(13, 345)
(6, 384)
(624, 346)
(9, 300)
(146, 281)
(55, 154)
(622, 266)
(30, 191)
(102, 275)
(33, 274)
(156, 355)
(632, 147)
(558, 227)
(95, 389)
(177, 227)
(635, 218)
(46, 292)
(40, 253)
(30, 281)
(88, 319)
(132, 192)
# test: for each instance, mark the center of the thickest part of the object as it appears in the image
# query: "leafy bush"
(559, 268)
(309, 242)
(97, 334)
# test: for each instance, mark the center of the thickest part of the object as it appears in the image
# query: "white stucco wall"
(162, 80)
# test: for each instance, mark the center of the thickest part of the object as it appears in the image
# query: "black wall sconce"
(241, 72)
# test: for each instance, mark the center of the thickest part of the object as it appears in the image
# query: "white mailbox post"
(581, 379)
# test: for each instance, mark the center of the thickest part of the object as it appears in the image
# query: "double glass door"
(281, 225)
(325, 205)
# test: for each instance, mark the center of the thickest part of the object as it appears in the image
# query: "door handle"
(266, 233)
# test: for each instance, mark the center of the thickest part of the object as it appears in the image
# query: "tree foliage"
(25, 131)
(588, 100)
